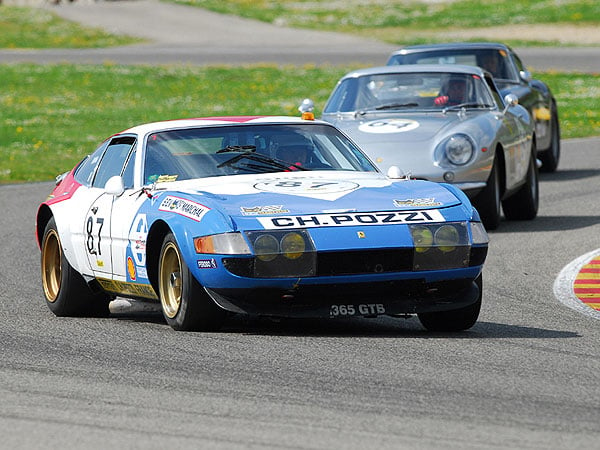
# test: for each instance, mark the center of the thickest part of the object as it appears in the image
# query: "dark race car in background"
(511, 77)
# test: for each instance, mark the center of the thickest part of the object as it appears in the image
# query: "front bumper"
(369, 299)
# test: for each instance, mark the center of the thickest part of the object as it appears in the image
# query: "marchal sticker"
(300, 186)
(184, 207)
(388, 126)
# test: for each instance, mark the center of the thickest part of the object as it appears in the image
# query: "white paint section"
(384, 126)
(563, 285)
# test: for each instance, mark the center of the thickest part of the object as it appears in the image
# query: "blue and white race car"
(273, 216)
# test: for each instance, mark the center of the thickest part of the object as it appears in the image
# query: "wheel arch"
(43, 217)
(154, 241)
(501, 169)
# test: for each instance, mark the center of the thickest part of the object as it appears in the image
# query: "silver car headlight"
(456, 150)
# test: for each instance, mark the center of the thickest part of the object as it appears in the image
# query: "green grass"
(409, 22)
(38, 28)
(53, 115)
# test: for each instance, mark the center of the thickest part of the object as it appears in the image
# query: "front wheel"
(66, 292)
(487, 202)
(523, 205)
(454, 320)
(551, 156)
(185, 304)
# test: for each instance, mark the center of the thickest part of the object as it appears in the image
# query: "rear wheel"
(455, 320)
(551, 156)
(488, 202)
(185, 304)
(523, 205)
(67, 293)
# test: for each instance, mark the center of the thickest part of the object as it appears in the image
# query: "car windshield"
(188, 153)
(495, 61)
(409, 91)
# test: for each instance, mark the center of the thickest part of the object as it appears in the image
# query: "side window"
(85, 171)
(128, 172)
(113, 160)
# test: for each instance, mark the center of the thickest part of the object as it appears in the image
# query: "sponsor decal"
(128, 289)
(183, 207)
(351, 219)
(416, 203)
(263, 210)
(131, 269)
(306, 186)
(137, 239)
(389, 126)
(207, 263)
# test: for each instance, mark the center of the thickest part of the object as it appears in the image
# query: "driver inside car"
(454, 93)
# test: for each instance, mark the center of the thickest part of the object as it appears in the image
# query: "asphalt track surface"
(524, 377)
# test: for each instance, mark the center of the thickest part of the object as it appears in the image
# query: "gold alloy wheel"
(51, 266)
(170, 280)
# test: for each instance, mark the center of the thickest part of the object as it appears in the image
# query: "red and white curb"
(578, 284)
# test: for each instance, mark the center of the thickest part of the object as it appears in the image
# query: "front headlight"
(478, 234)
(456, 150)
(289, 253)
(440, 246)
(223, 244)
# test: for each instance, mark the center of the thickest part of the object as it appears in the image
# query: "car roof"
(451, 46)
(212, 121)
(417, 68)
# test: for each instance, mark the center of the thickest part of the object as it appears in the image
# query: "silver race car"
(445, 123)
(511, 77)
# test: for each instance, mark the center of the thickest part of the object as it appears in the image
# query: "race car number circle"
(388, 126)
(306, 186)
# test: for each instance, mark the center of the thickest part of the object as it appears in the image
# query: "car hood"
(382, 129)
(407, 141)
(244, 198)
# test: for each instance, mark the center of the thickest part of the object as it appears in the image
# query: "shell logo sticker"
(131, 269)
(389, 126)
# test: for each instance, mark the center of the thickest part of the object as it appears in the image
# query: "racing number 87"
(89, 228)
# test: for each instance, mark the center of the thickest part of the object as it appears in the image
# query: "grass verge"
(412, 22)
(39, 28)
(53, 115)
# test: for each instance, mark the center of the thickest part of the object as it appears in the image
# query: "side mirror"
(114, 186)
(396, 173)
(510, 100)
(525, 75)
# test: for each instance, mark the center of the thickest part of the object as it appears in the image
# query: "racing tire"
(523, 205)
(551, 156)
(67, 294)
(454, 320)
(185, 304)
(487, 202)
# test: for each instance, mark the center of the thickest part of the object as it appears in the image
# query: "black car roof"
(451, 46)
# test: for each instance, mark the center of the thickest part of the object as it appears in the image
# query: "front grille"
(359, 262)
(364, 261)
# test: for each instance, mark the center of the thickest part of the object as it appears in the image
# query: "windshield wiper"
(262, 163)
(396, 106)
(466, 105)
(238, 148)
